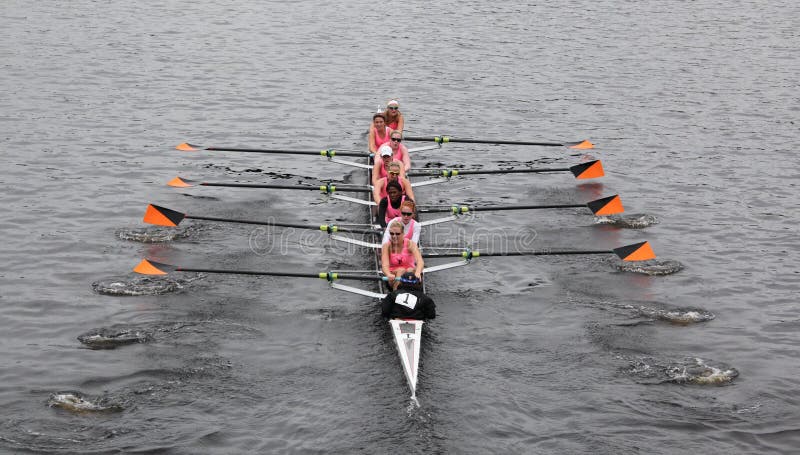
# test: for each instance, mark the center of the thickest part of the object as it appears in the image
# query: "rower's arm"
(376, 191)
(408, 190)
(385, 262)
(371, 139)
(420, 264)
(382, 206)
(376, 172)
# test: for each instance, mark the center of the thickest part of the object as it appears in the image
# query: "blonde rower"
(411, 227)
(400, 255)
(393, 174)
(393, 116)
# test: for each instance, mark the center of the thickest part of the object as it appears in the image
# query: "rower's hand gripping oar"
(641, 251)
(585, 144)
(162, 216)
(588, 170)
(605, 206)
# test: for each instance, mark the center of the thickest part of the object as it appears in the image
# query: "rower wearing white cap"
(386, 156)
(393, 116)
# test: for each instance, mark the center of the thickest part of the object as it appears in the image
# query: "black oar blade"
(636, 252)
(162, 216)
(179, 182)
(580, 145)
(148, 267)
(588, 170)
(187, 147)
(606, 206)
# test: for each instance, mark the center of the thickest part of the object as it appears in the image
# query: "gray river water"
(693, 107)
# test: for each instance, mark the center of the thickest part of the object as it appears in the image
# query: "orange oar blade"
(178, 182)
(162, 216)
(582, 145)
(147, 267)
(187, 147)
(588, 170)
(606, 206)
(636, 252)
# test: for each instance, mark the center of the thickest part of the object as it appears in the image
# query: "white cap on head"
(385, 150)
(393, 103)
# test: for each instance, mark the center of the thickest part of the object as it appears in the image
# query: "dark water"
(693, 106)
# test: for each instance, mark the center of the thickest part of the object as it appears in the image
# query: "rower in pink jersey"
(379, 169)
(411, 227)
(392, 175)
(400, 255)
(393, 116)
(399, 151)
(379, 133)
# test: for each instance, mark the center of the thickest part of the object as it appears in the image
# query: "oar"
(605, 206)
(635, 252)
(330, 153)
(585, 144)
(328, 188)
(588, 170)
(150, 267)
(163, 216)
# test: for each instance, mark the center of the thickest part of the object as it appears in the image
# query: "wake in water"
(627, 221)
(159, 234)
(111, 337)
(78, 403)
(653, 267)
(688, 371)
(145, 285)
(680, 316)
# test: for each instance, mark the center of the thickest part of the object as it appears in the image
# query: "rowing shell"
(407, 333)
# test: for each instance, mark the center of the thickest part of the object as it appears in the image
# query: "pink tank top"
(393, 125)
(402, 260)
(382, 182)
(391, 212)
(381, 140)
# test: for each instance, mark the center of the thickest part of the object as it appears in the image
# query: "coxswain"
(393, 116)
(407, 301)
(378, 132)
(380, 189)
(400, 255)
(411, 226)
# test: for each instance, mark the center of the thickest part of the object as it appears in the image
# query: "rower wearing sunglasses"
(399, 151)
(381, 189)
(400, 255)
(411, 227)
(393, 116)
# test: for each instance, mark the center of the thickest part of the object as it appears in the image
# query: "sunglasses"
(394, 234)
(406, 213)
(394, 173)
(393, 108)
(397, 139)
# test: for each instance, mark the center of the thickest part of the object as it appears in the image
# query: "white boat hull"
(408, 338)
